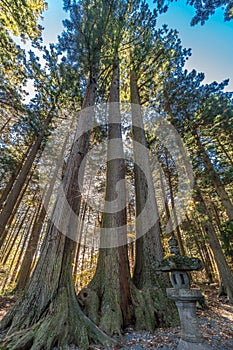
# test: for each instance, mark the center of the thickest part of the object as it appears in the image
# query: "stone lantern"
(184, 297)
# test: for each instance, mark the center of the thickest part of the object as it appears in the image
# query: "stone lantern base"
(191, 336)
(184, 296)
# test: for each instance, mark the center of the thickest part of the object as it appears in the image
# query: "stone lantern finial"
(173, 246)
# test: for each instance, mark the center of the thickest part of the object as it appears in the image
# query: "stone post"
(191, 336)
(184, 297)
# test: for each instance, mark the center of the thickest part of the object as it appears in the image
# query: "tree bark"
(177, 228)
(223, 267)
(25, 268)
(11, 181)
(47, 314)
(149, 246)
(214, 178)
(15, 208)
(109, 304)
(204, 254)
(21, 247)
(15, 192)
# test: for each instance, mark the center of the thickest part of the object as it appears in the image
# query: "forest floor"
(216, 321)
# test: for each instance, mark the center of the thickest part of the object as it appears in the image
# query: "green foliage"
(8, 160)
(203, 9)
(20, 17)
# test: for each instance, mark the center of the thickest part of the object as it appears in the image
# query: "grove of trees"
(112, 54)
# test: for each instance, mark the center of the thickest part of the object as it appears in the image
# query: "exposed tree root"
(154, 310)
(146, 315)
(105, 312)
(149, 309)
(63, 324)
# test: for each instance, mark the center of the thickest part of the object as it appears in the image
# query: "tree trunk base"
(104, 311)
(153, 309)
(150, 309)
(63, 324)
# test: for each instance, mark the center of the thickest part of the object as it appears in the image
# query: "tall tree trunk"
(11, 181)
(204, 254)
(15, 192)
(17, 244)
(214, 178)
(148, 246)
(15, 237)
(21, 247)
(165, 202)
(177, 228)
(15, 208)
(223, 267)
(25, 268)
(109, 304)
(78, 245)
(47, 314)
(216, 212)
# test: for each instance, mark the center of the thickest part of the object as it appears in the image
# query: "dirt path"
(216, 321)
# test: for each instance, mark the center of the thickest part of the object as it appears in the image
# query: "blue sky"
(212, 44)
(212, 49)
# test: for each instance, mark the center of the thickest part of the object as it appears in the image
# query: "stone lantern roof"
(176, 262)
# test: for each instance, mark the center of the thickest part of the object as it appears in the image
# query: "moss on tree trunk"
(111, 299)
(107, 299)
(47, 313)
(149, 250)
